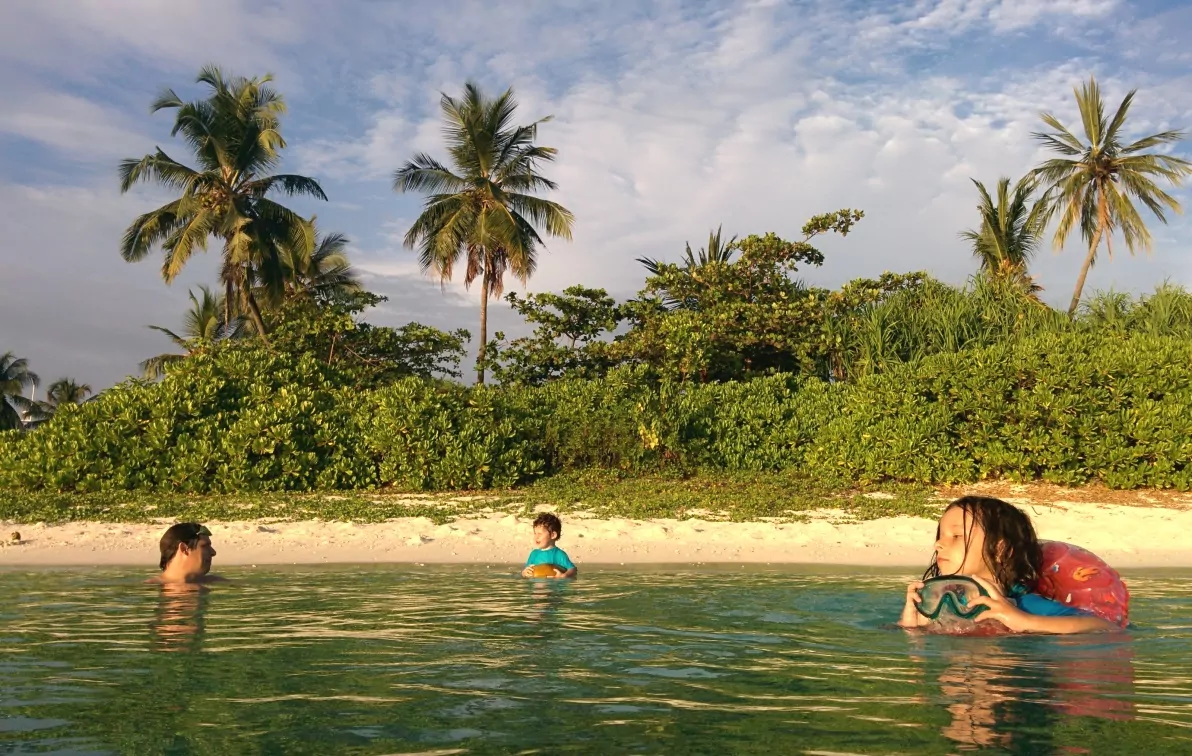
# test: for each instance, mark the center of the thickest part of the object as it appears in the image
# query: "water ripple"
(451, 660)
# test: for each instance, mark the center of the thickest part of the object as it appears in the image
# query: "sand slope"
(1138, 534)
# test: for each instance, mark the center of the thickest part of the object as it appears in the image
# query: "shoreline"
(1138, 534)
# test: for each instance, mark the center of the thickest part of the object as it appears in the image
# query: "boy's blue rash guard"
(554, 555)
(1033, 603)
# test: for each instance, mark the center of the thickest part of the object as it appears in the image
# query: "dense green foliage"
(364, 355)
(1112, 405)
(726, 363)
(569, 338)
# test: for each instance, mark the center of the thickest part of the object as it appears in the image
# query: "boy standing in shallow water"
(547, 531)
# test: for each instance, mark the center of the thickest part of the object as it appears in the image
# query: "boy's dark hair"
(551, 522)
(184, 532)
(1012, 549)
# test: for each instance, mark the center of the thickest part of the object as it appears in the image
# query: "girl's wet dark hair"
(1012, 549)
(183, 532)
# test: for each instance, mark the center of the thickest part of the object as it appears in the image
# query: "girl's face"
(950, 547)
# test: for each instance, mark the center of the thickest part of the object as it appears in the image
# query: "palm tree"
(321, 269)
(62, 391)
(1094, 183)
(15, 379)
(483, 208)
(67, 391)
(1008, 236)
(203, 324)
(717, 252)
(235, 136)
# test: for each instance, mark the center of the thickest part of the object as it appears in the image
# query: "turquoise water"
(387, 660)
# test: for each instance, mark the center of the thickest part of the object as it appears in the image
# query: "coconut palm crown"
(1095, 181)
(483, 208)
(236, 140)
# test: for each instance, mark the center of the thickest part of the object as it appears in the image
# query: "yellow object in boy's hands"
(544, 570)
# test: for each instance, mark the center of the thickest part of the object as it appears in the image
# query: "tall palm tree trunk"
(258, 322)
(228, 302)
(1084, 271)
(484, 286)
(1102, 223)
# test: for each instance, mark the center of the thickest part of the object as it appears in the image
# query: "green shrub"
(610, 423)
(236, 419)
(1067, 409)
(1070, 407)
(425, 436)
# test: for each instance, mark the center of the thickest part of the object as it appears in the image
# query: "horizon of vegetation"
(288, 284)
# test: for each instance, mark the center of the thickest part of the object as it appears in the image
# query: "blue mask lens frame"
(952, 600)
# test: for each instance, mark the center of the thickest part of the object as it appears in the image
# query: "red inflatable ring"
(1077, 577)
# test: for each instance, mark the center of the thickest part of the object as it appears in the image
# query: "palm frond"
(1092, 112)
(425, 174)
(290, 184)
(1154, 140)
(186, 237)
(158, 167)
(172, 336)
(166, 99)
(155, 367)
(152, 228)
(1119, 118)
(556, 219)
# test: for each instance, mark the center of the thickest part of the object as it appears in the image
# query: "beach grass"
(602, 494)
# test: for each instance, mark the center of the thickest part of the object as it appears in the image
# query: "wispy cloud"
(670, 118)
(75, 126)
(84, 39)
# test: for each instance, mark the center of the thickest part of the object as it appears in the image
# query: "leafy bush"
(1069, 407)
(424, 436)
(235, 419)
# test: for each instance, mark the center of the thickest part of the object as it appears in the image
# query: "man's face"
(198, 560)
(544, 538)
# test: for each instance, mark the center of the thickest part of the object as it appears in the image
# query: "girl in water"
(994, 543)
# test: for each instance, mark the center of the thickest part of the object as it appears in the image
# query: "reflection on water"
(468, 660)
(1005, 692)
(178, 625)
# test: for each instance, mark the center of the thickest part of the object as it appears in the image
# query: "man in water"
(186, 553)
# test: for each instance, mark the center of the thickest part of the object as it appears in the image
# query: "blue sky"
(670, 119)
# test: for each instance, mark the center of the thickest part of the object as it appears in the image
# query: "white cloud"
(382, 149)
(670, 118)
(77, 38)
(1008, 15)
(73, 125)
(73, 305)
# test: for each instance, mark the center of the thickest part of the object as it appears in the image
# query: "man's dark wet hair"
(184, 532)
(552, 523)
(1012, 549)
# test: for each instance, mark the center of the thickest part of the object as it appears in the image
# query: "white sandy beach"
(1134, 530)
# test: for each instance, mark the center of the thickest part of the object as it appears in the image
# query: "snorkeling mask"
(949, 598)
